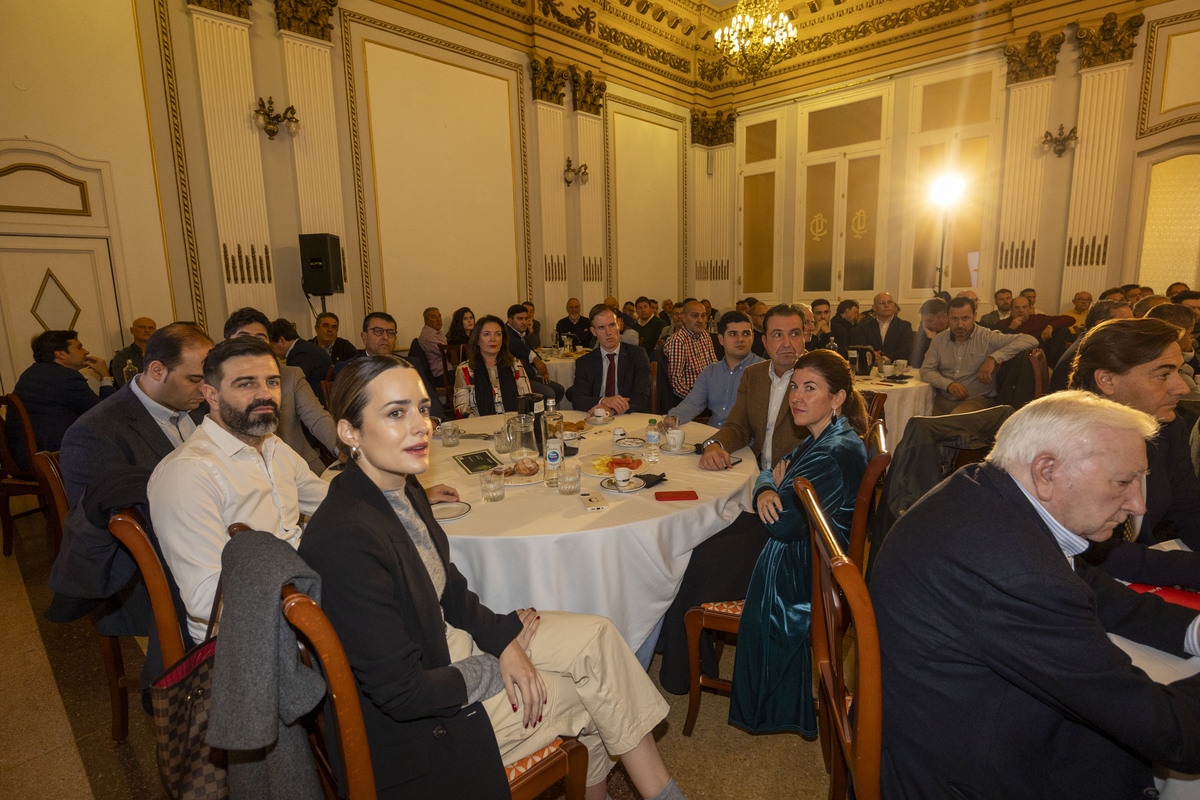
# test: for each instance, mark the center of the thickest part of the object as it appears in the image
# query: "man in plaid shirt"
(690, 350)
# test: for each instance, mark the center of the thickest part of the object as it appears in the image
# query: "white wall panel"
(552, 157)
(234, 158)
(1024, 169)
(589, 137)
(309, 68)
(646, 192)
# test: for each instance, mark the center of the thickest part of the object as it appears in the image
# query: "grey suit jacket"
(299, 410)
(747, 422)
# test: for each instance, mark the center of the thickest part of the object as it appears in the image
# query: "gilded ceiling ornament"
(638, 47)
(549, 81)
(306, 17)
(711, 71)
(1033, 59)
(235, 8)
(1108, 43)
(584, 17)
(715, 131)
(587, 91)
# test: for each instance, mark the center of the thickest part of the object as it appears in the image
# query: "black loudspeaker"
(320, 264)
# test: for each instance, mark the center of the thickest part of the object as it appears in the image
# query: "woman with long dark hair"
(490, 380)
(772, 671)
(461, 325)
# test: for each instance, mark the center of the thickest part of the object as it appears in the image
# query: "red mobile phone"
(688, 495)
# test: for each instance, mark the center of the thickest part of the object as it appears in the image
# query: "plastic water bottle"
(128, 373)
(652, 441)
(553, 437)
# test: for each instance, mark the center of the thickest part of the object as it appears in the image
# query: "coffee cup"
(901, 367)
(887, 370)
(599, 415)
(622, 475)
(675, 440)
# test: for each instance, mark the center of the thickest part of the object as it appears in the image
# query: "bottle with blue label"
(653, 437)
(552, 435)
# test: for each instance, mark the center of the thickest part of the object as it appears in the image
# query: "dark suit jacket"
(747, 422)
(843, 333)
(633, 378)
(342, 350)
(581, 329)
(313, 360)
(899, 337)
(999, 679)
(378, 595)
(55, 396)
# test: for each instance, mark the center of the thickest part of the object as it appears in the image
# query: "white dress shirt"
(212, 481)
(177, 425)
(779, 390)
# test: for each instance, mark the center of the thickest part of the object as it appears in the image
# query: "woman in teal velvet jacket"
(772, 672)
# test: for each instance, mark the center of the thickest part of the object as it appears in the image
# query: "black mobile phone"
(734, 461)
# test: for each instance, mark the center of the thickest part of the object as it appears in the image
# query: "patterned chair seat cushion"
(518, 768)
(733, 607)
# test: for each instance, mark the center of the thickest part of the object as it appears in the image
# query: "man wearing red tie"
(615, 376)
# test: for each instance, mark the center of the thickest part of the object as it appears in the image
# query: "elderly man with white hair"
(999, 677)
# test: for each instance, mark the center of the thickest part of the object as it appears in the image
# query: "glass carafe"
(520, 434)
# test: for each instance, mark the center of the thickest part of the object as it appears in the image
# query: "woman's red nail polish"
(514, 708)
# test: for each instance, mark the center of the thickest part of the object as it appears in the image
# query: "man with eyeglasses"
(379, 339)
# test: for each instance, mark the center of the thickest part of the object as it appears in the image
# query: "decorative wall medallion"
(646, 50)
(818, 227)
(1109, 43)
(54, 304)
(858, 224)
(1033, 59)
(306, 17)
(715, 131)
(587, 90)
(549, 81)
(234, 8)
(584, 18)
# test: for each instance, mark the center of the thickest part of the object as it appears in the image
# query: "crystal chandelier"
(757, 38)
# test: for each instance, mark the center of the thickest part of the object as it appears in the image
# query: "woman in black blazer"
(449, 689)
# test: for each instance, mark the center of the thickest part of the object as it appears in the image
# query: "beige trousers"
(595, 690)
(943, 405)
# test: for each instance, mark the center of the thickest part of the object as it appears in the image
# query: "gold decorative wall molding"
(47, 279)
(244, 269)
(587, 90)
(306, 17)
(84, 209)
(713, 132)
(584, 18)
(645, 49)
(1033, 58)
(183, 189)
(711, 72)
(1153, 116)
(549, 81)
(1108, 43)
(234, 8)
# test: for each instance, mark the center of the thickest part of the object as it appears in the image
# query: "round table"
(912, 398)
(562, 372)
(542, 549)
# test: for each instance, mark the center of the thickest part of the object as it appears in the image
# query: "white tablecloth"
(913, 398)
(538, 548)
(562, 372)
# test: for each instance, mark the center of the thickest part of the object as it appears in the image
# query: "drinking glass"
(568, 479)
(451, 434)
(491, 483)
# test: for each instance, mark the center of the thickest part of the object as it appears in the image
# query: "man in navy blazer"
(293, 351)
(54, 392)
(999, 677)
(886, 333)
(591, 389)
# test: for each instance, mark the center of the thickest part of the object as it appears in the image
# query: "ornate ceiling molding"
(1034, 58)
(306, 17)
(234, 8)
(711, 71)
(1108, 43)
(713, 132)
(587, 91)
(549, 81)
(645, 49)
(585, 18)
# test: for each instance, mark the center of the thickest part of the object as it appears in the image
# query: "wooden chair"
(452, 356)
(326, 391)
(875, 410)
(45, 464)
(15, 480)
(126, 525)
(727, 615)
(1041, 372)
(527, 778)
(850, 706)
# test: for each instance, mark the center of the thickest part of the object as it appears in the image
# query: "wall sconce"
(266, 118)
(570, 173)
(1061, 143)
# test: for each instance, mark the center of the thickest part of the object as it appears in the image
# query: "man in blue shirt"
(716, 387)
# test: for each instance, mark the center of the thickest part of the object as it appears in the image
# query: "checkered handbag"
(181, 697)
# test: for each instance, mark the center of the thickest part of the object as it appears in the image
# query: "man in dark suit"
(518, 326)
(575, 324)
(54, 392)
(999, 678)
(615, 375)
(885, 332)
(313, 361)
(843, 325)
(327, 338)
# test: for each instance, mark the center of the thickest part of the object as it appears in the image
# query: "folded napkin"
(651, 479)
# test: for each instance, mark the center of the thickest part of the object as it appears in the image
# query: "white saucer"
(610, 485)
(446, 512)
(630, 443)
(687, 450)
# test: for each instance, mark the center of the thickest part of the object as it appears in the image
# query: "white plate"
(610, 485)
(585, 465)
(570, 436)
(592, 421)
(517, 479)
(689, 449)
(630, 443)
(445, 512)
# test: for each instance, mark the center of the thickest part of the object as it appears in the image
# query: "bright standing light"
(947, 190)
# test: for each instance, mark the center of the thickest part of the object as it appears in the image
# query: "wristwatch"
(711, 440)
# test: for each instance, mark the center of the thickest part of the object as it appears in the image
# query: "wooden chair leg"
(693, 623)
(118, 693)
(576, 781)
(6, 523)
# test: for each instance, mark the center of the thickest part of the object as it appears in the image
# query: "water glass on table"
(568, 478)
(451, 434)
(491, 483)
